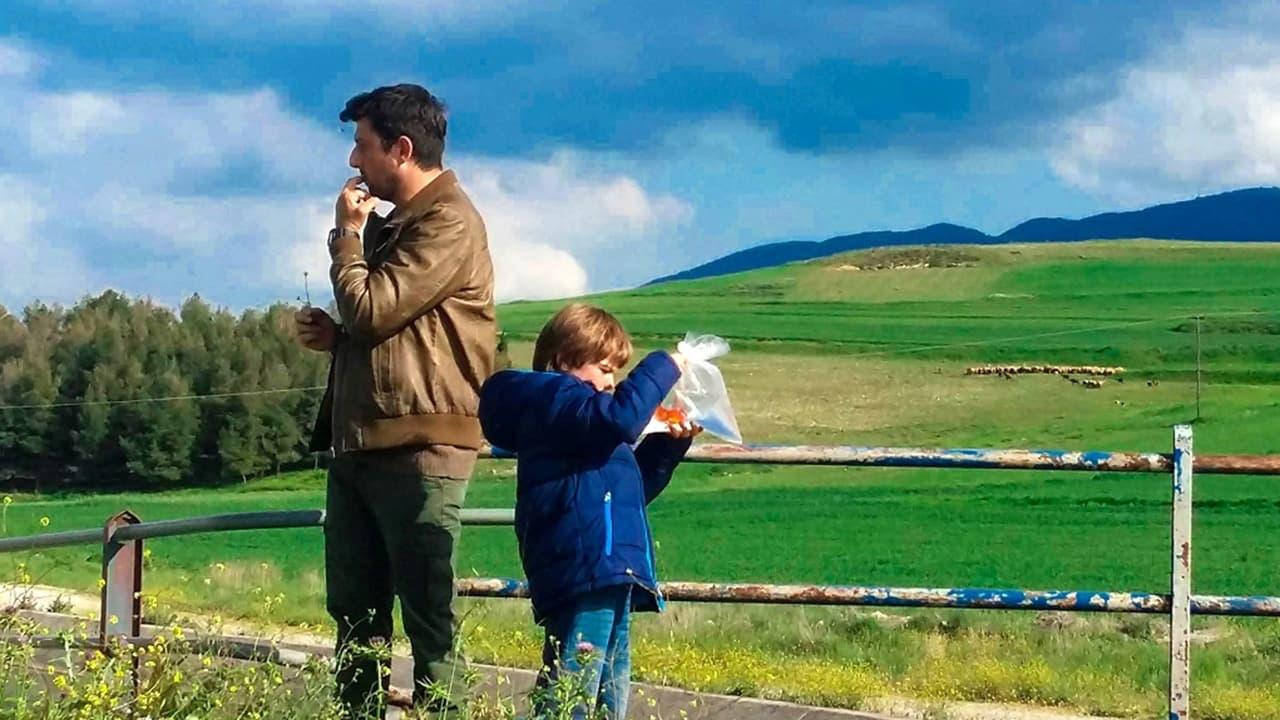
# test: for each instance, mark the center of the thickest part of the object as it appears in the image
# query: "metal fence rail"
(124, 533)
(965, 458)
(1097, 601)
(268, 520)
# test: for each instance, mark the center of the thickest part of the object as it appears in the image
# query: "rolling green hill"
(1114, 302)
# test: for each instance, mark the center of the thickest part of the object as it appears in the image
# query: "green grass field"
(871, 349)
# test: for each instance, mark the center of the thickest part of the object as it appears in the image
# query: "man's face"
(377, 166)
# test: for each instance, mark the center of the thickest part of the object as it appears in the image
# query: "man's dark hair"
(405, 109)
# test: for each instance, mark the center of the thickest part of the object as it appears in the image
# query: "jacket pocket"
(382, 366)
(608, 523)
(406, 374)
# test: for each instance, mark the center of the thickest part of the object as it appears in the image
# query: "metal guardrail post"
(121, 585)
(1180, 578)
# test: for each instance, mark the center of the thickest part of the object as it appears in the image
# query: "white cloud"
(531, 270)
(538, 213)
(230, 195)
(1202, 115)
(34, 265)
(16, 61)
(165, 138)
(62, 124)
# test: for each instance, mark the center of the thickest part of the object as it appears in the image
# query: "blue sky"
(166, 149)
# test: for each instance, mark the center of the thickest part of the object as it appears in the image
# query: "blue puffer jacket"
(581, 489)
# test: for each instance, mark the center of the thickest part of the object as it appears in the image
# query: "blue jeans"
(589, 638)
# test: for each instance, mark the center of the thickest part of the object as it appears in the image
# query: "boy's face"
(597, 374)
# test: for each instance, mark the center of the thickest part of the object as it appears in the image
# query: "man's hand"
(316, 330)
(353, 206)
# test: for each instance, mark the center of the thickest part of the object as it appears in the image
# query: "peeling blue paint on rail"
(920, 457)
(1008, 459)
(960, 598)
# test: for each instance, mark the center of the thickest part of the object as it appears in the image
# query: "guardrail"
(124, 533)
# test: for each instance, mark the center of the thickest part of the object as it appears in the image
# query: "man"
(413, 345)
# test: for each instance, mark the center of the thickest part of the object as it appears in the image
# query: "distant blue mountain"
(1250, 215)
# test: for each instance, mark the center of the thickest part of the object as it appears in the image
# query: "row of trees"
(78, 389)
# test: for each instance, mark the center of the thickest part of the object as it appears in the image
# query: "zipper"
(608, 523)
(651, 589)
(648, 553)
(653, 571)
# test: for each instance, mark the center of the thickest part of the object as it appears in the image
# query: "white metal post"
(1180, 578)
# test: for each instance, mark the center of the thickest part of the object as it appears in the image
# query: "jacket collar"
(426, 197)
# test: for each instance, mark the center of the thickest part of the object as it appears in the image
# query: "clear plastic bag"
(700, 395)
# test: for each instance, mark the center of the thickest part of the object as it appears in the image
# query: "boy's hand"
(684, 431)
(680, 360)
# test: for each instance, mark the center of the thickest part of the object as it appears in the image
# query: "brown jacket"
(418, 329)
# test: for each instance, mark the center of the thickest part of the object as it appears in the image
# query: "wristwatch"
(338, 232)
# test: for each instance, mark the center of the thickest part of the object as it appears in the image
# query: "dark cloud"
(822, 77)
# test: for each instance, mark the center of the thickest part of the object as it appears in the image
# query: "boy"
(582, 490)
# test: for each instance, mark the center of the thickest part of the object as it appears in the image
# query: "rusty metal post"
(121, 585)
(1180, 578)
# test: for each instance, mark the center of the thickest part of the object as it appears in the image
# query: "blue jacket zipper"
(653, 571)
(608, 524)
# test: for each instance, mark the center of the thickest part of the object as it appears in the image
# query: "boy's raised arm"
(592, 420)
